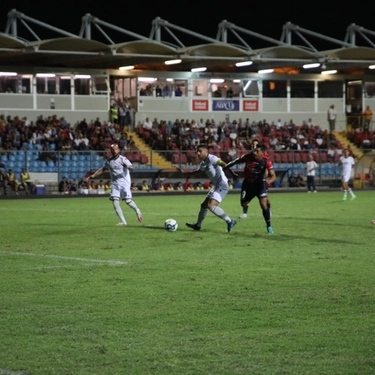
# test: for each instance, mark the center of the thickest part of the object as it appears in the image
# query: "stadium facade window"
(100, 85)
(369, 89)
(25, 84)
(301, 89)
(274, 89)
(64, 85)
(46, 85)
(8, 84)
(82, 86)
(330, 89)
(124, 87)
(200, 87)
(250, 88)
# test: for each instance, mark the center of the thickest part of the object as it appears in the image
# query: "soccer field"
(82, 296)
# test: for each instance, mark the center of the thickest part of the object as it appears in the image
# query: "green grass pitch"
(80, 296)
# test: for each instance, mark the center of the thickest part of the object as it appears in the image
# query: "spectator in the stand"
(62, 185)
(199, 186)
(71, 187)
(108, 187)
(82, 126)
(166, 91)
(147, 124)
(123, 142)
(190, 186)
(230, 92)
(81, 142)
(92, 185)
(25, 181)
(274, 142)
(97, 123)
(133, 186)
(178, 91)
(3, 182)
(100, 185)
(293, 180)
(367, 115)
(145, 186)
(319, 141)
(232, 154)
(331, 117)
(121, 115)
(168, 186)
(218, 93)
(158, 91)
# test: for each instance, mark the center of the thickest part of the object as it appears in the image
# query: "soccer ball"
(171, 225)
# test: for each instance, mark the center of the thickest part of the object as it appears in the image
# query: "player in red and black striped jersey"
(245, 208)
(259, 173)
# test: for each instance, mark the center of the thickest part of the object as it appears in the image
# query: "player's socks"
(267, 217)
(116, 205)
(202, 214)
(219, 212)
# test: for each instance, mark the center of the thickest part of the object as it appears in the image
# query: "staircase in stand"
(341, 137)
(157, 160)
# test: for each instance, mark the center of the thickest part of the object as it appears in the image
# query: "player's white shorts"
(120, 191)
(218, 192)
(345, 177)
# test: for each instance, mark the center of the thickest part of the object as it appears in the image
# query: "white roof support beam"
(14, 15)
(353, 30)
(88, 20)
(158, 23)
(289, 28)
(225, 25)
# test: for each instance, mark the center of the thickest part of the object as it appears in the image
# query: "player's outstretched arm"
(97, 173)
(189, 172)
(232, 163)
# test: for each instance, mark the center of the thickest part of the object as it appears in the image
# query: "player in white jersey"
(212, 165)
(347, 163)
(119, 167)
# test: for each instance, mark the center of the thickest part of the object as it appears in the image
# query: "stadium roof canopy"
(231, 45)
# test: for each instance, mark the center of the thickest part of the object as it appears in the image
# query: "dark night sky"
(330, 18)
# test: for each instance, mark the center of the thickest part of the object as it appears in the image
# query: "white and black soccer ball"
(171, 225)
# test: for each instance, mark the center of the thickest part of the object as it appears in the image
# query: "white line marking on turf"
(8, 372)
(99, 261)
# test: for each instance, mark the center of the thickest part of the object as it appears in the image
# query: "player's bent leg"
(132, 205)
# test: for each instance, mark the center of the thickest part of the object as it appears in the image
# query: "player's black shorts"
(249, 190)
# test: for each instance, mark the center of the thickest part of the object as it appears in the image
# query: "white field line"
(97, 261)
(8, 372)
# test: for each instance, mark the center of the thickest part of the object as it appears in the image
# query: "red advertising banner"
(200, 105)
(250, 105)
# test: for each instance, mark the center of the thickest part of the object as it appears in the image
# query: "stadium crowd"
(234, 136)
